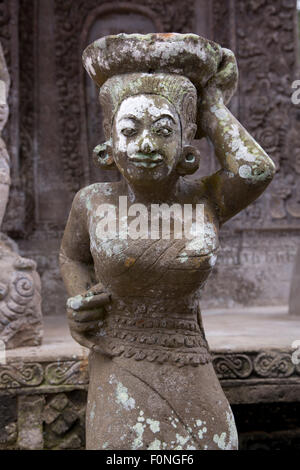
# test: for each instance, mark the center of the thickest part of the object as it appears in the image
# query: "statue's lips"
(146, 160)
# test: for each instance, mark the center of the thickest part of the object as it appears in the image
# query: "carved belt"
(174, 340)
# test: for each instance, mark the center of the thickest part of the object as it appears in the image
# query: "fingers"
(80, 302)
(87, 327)
(95, 301)
(227, 76)
(85, 315)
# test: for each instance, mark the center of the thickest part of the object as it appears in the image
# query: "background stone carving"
(20, 300)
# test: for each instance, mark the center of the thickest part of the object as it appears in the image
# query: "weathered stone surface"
(8, 421)
(20, 300)
(294, 300)
(30, 425)
(66, 431)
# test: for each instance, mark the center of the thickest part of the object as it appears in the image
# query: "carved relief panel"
(265, 44)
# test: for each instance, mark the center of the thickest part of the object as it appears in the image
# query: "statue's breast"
(159, 265)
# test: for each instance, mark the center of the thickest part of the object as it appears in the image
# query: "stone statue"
(134, 300)
(20, 286)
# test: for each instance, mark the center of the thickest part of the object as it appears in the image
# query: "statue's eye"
(163, 131)
(128, 131)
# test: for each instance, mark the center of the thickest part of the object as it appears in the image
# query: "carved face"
(146, 138)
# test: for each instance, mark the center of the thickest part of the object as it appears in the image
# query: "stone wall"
(55, 121)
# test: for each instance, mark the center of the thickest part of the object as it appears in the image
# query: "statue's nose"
(146, 145)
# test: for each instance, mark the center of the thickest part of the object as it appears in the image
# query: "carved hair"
(177, 89)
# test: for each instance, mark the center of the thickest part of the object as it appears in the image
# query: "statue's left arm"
(246, 169)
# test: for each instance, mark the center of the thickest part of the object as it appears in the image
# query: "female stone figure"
(134, 302)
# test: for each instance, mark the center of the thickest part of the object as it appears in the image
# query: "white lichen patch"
(227, 441)
(155, 445)
(138, 441)
(182, 440)
(139, 105)
(89, 66)
(212, 260)
(121, 393)
(233, 436)
(154, 425)
(75, 302)
(241, 151)
(245, 171)
(92, 413)
(183, 257)
(123, 397)
(220, 440)
(201, 432)
(219, 112)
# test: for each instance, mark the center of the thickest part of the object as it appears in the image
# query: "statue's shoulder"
(95, 193)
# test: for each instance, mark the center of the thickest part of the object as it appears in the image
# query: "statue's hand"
(86, 313)
(217, 92)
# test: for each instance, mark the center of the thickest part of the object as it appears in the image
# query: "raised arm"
(246, 168)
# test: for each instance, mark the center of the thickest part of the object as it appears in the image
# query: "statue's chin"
(147, 176)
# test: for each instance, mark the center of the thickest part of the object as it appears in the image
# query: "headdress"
(170, 64)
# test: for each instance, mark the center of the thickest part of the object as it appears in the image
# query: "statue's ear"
(189, 160)
(189, 133)
(103, 156)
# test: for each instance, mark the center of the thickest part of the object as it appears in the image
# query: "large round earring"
(189, 162)
(102, 156)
